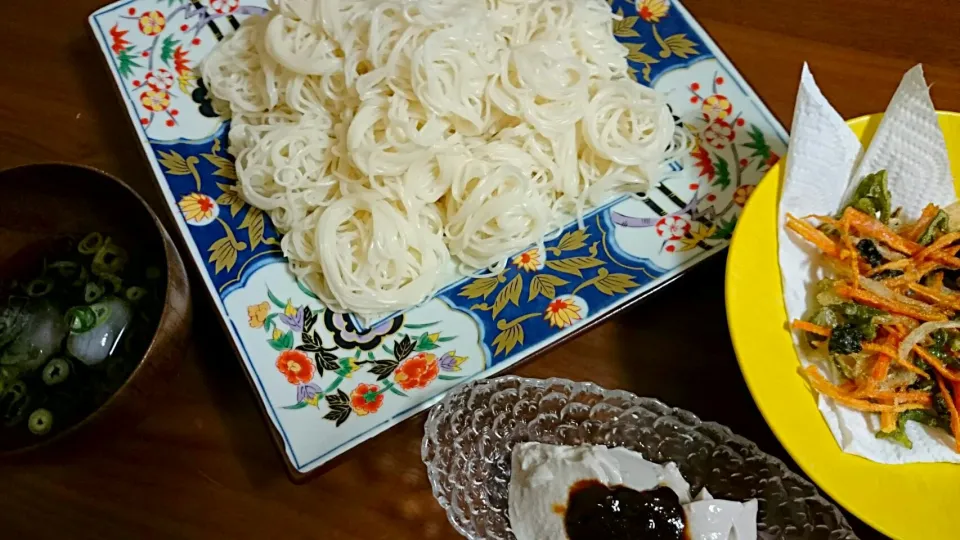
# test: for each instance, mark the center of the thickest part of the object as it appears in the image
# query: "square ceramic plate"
(327, 383)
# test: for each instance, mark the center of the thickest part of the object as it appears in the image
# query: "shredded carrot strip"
(935, 296)
(954, 416)
(823, 386)
(914, 232)
(902, 264)
(913, 274)
(943, 370)
(810, 327)
(870, 226)
(888, 421)
(894, 306)
(880, 349)
(895, 398)
(946, 260)
(854, 254)
(881, 367)
(938, 245)
(813, 235)
(937, 281)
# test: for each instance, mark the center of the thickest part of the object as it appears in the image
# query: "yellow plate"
(917, 501)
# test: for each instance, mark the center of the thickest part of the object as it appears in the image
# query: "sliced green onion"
(14, 402)
(15, 391)
(92, 292)
(116, 284)
(40, 422)
(12, 359)
(153, 272)
(56, 371)
(82, 278)
(101, 311)
(90, 243)
(110, 259)
(39, 287)
(81, 319)
(65, 268)
(134, 294)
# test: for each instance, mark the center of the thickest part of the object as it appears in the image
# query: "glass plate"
(470, 435)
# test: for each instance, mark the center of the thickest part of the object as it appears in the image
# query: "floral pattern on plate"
(340, 382)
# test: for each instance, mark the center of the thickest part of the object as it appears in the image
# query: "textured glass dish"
(471, 433)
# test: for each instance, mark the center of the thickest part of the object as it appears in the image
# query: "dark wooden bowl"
(41, 202)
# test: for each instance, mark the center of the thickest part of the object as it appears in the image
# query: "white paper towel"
(823, 165)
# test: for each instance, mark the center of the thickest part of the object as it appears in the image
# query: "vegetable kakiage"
(888, 318)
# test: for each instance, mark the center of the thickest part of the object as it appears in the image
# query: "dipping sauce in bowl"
(94, 305)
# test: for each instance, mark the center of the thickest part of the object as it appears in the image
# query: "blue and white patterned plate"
(326, 383)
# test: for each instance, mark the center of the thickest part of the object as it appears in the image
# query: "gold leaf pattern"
(216, 146)
(254, 224)
(231, 198)
(573, 240)
(223, 252)
(697, 235)
(480, 287)
(225, 167)
(546, 285)
(508, 339)
(679, 45)
(574, 265)
(624, 27)
(610, 284)
(178, 165)
(174, 163)
(509, 294)
(637, 55)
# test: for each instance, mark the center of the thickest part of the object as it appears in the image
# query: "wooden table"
(204, 466)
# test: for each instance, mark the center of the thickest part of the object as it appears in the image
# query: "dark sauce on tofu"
(596, 511)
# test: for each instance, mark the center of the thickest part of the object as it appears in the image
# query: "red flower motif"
(366, 399)
(119, 42)
(295, 366)
(772, 160)
(741, 195)
(718, 134)
(417, 371)
(717, 106)
(672, 227)
(152, 23)
(180, 61)
(224, 6)
(703, 162)
(162, 79)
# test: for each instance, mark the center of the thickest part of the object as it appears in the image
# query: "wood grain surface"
(204, 466)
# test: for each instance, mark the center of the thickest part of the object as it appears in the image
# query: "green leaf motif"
(166, 49)
(723, 173)
(725, 232)
(758, 143)
(126, 62)
(300, 405)
(545, 284)
(268, 322)
(283, 342)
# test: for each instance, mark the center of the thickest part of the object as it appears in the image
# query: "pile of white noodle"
(388, 139)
